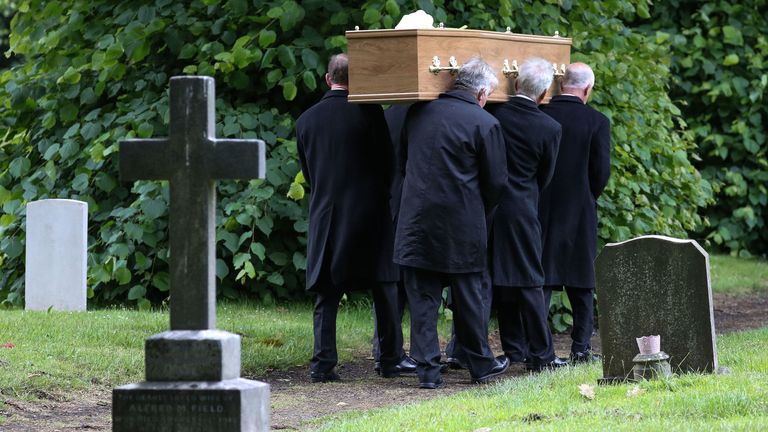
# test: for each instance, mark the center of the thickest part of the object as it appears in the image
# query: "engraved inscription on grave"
(194, 411)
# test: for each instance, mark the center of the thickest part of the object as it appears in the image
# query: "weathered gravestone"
(655, 285)
(56, 255)
(193, 379)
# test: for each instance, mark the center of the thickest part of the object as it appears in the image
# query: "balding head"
(338, 71)
(578, 80)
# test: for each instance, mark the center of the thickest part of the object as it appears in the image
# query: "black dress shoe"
(322, 377)
(516, 359)
(406, 366)
(502, 363)
(584, 357)
(431, 385)
(455, 363)
(538, 367)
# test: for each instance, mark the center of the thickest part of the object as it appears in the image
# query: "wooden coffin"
(393, 66)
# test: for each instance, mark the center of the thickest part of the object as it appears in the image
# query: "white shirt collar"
(524, 96)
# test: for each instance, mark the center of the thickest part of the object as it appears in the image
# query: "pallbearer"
(347, 160)
(532, 139)
(568, 208)
(454, 163)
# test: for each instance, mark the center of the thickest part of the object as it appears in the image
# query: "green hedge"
(96, 72)
(720, 56)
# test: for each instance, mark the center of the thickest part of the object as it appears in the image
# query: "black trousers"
(325, 356)
(523, 328)
(400, 300)
(424, 290)
(582, 305)
(453, 348)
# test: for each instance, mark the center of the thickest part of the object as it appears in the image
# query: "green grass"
(551, 401)
(60, 351)
(67, 352)
(731, 275)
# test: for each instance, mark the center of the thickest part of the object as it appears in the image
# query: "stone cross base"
(236, 405)
(192, 355)
(192, 384)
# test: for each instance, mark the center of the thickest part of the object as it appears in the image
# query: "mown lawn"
(552, 401)
(731, 275)
(63, 352)
(59, 351)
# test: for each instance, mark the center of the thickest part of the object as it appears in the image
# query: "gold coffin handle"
(513, 70)
(558, 72)
(510, 70)
(452, 67)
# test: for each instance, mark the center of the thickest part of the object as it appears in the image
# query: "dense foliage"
(719, 61)
(96, 72)
(7, 9)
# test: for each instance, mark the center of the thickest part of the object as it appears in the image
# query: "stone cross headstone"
(193, 379)
(56, 255)
(655, 285)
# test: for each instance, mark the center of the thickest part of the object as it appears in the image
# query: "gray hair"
(475, 75)
(338, 68)
(578, 75)
(535, 77)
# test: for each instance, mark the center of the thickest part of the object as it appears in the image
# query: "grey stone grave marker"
(193, 379)
(655, 285)
(55, 266)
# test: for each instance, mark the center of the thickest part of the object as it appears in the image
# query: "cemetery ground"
(57, 371)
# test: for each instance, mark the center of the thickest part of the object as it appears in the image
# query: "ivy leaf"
(289, 90)
(188, 51)
(161, 281)
(51, 151)
(19, 167)
(68, 112)
(123, 277)
(293, 13)
(309, 80)
(267, 38)
(238, 7)
(299, 261)
(394, 9)
(258, 250)
(286, 57)
(732, 35)
(731, 59)
(275, 12)
(80, 183)
(249, 269)
(70, 76)
(309, 58)
(222, 270)
(276, 278)
(153, 208)
(279, 258)
(295, 192)
(105, 182)
(371, 16)
(144, 305)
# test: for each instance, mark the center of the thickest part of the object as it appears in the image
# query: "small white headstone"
(56, 255)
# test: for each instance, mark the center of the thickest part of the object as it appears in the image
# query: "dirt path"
(295, 400)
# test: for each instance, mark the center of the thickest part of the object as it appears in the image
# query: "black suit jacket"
(395, 116)
(532, 139)
(568, 207)
(347, 159)
(453, 157)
